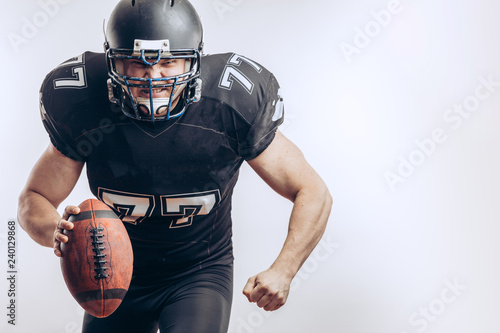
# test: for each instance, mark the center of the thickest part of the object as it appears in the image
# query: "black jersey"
(170, 182)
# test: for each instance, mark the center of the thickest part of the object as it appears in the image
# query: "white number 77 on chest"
(183, 208)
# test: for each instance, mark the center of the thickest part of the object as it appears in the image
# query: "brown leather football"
(97, 260)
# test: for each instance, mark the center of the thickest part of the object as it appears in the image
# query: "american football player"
(163, 130)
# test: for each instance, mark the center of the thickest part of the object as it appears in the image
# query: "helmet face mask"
(181, 41)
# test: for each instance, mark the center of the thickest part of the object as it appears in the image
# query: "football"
(97, 260)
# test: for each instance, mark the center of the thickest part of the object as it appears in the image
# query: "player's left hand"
(268, 289)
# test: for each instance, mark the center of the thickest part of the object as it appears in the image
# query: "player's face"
(164, 68)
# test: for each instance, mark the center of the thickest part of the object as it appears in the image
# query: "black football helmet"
(150, 31)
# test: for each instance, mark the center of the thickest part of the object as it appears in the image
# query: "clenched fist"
(268, 289)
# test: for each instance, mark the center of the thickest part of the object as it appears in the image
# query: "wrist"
(284, 269)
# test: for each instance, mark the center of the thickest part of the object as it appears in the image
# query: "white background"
(389, 253)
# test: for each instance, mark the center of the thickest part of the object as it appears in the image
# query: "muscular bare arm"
(283, 167)
(52, 179)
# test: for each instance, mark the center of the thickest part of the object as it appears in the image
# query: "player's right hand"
(63, 224)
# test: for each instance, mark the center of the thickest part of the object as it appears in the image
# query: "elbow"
(327, 201)
(21, 207)
(323, 195)
(317, 193)
(24, 195)
(25, 202)
(319, 197)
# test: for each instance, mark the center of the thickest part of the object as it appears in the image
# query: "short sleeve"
(74, 101)
(263, 128)
(60, 135)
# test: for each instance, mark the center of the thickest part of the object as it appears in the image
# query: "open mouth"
(157, 93)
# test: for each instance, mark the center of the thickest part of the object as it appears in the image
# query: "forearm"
(307, 224)
(38, 217)
(50, 182)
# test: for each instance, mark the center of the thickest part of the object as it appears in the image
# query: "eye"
(138, 63)
(168, 62)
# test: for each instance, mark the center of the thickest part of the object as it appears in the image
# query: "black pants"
(199, 303)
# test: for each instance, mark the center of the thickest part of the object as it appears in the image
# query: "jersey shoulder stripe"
(239, 82)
